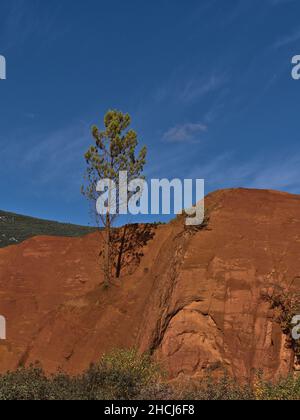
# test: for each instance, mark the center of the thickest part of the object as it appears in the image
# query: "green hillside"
(15, 228)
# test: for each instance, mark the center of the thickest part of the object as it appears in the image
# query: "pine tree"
(114, 151)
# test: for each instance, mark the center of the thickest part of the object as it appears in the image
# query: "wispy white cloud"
(22, 19)
(51, 162)
(58, 153)
(189, 89)
(287, 39)
(197, 88)
(225, 172)
(283, 174)
(184, 132)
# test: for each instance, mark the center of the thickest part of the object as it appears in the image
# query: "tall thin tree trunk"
(119, 263)
(107, 253)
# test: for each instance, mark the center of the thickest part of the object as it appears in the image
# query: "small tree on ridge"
(113, 151)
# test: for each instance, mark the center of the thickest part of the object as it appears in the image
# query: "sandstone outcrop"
(194, 299)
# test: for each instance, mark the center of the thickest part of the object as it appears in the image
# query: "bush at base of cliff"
(285, 389)
(127, 375)
(121, 375)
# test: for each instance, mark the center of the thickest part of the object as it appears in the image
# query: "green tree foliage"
(114, 150)
(15, 228)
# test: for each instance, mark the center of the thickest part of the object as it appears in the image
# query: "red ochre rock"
(194, 300)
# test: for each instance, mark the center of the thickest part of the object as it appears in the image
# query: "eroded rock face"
(195, 299)
(216, 317)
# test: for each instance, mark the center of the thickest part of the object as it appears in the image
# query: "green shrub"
(211, 389)
(120, 375)
(287, 389)
(24, 384)
(128, 375)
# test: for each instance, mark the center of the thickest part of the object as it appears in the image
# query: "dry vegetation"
(125, 375)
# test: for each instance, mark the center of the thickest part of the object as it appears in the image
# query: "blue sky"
(207, 82)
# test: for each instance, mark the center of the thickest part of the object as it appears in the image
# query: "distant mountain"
(15, 228)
